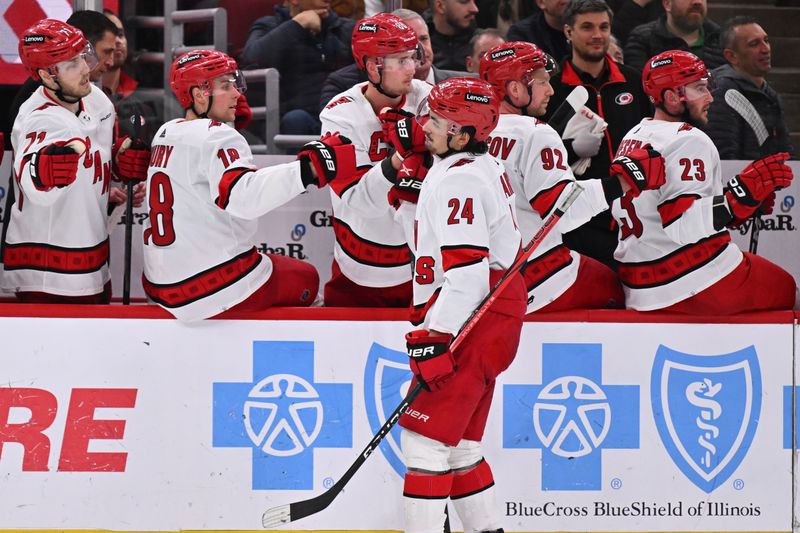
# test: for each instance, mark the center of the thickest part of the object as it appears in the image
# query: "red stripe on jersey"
(671, 210)
(418, 312)
(675, 265)
(205, 283)
(471, 480)
(544, 202)
(427, 486)
(229, 179)
(368, 252)
(461, 256)
(340, 185)
(539, 269)
(49, 258)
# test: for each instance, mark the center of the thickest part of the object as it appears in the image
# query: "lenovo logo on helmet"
(472, 97)
(32, 39)
(661, 62)
(502, 53)
(182, 61)
(365, 26)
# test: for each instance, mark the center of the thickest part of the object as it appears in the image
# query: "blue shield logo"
(386, 382)
(706, 409)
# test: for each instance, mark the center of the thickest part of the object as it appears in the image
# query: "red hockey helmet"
(197, 69)
(49, 42)
(463, 102)
(672, 69)
(381, 35)
(514, 61)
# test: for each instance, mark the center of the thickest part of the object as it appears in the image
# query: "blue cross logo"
(787, 418)
(571, 417)
(282, 415)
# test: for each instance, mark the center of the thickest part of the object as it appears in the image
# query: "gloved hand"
(401, 129)
(643, 169)
(430, 358)
(131, 160)
(768, 205)
(55, 165)
(243, 115)
(331, 157)
(746, 191)
(408, 183)
(587, 143)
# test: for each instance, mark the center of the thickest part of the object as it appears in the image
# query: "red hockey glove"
(746, 191)
(243, 115)
(768, 205)
(430, 358)
(643, 169)
(55, 165)
(408, 183)
(402, 130)
(331, 157)
(773, 167)
(131, 161)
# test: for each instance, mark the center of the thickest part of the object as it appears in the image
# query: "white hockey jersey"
(371, 248)
(668, 248)
(57, 239)
(536, 164)
(465, 227)
(205, 194)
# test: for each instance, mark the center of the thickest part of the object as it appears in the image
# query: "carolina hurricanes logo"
(624, 99)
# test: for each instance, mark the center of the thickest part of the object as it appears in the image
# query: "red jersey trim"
(368, 252)
(675, 265)
(229, 179)
(204, 283)
(341, 185)
(49, 258)
(418, 312)
(461, 256)
(541, 268)
(544, 201)
(671, 210)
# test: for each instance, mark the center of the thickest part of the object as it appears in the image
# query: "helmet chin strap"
(523, 109)
(59, 93)
(380, 89)
(204, 114)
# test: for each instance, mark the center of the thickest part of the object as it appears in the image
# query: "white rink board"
(187, 380)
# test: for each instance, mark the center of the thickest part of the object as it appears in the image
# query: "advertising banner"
(142, 425)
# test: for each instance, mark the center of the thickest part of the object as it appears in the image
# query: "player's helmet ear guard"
(197, 69)
(49, 42)
(673, 69)
(514, 61)
(381, 35)
(463, 102)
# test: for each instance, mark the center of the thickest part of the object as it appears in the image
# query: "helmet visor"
(230, 81)
(699, 89)
(434, 122)
(72, 67)
(409, 59)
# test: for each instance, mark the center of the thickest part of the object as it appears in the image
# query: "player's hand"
(132, 159)
(773, 167)
(746, 191)
(331, 157)
(430, 358)
(642, 170)
(408, 182)
(55, 165)
(587, 143)
(243, 115)
(402, 131)
(768, 205)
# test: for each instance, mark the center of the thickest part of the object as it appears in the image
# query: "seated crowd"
(637, 124)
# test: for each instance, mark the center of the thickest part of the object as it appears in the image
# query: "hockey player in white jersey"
(466, 237)
(205, 194)
(371, 259)
(536, 163)
(675, 252)
(57, 247)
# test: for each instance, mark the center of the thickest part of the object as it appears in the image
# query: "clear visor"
(227, 82)
(434, 123)
(541, 76)
(408, 60)
(699, 89)
(75, 65)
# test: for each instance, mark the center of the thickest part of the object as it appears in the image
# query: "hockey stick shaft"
(136, 119)
(295, 511)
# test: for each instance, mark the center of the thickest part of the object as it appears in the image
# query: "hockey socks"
(472, 495)
(424, 500)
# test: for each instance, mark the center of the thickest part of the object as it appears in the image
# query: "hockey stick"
(136, 120)
(745, 109)
(574, 102)
(283, 514)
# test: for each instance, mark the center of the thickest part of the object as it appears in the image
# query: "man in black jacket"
(683, 27)
(615, 94)
(748, 52)
(451, 24)
(544, 28)
(305, 42)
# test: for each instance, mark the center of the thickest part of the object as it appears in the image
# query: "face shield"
(698, 89)
(227, 82)
(408, 60)
(72, 67)
(436, 124)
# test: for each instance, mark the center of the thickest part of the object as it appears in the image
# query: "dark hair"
(579, 7)
(479, 33)
(473, 146)
(93, 24)
(727, 36)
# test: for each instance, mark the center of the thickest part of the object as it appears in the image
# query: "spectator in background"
(305, 41)
(373, 7)
(482, 41)
(502, 14)
(544, 28)
(631, 13)
(615, 94)
(747, 49)
(683, 27)
(346, 77)
(615, 50)
(451, 24)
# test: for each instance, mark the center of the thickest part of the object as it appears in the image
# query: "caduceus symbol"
(699, 393)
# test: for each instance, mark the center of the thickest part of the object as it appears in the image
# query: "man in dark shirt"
(544, 28)
(615, 94)
(451, 24)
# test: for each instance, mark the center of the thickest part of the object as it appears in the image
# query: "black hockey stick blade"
(283, 514)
